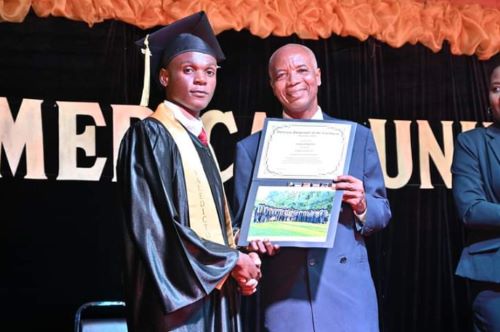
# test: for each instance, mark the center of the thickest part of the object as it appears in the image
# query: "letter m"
(24, 134)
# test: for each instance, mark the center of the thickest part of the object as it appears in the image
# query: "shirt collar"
(192, 124)
(316, 116)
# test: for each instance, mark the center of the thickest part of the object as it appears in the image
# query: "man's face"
(495, 94)
(295, 79)
(190, 79)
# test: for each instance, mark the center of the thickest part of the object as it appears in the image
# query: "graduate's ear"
(164, 77)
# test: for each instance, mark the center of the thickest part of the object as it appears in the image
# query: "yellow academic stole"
(203, 216)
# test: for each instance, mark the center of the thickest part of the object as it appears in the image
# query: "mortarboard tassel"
(147, 74)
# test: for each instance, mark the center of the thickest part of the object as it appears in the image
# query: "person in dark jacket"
(476, 189)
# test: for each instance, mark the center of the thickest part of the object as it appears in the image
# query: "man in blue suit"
(318, 289)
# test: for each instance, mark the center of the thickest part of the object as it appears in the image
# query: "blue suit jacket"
(322, 289)
(476, 189)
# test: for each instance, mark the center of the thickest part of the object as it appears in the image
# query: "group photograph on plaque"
(292, 201)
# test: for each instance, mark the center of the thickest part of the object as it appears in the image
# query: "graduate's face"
(190, 79)
(295, 78)
(495, 94)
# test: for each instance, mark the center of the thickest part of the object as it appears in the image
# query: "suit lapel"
(327, 117)
(493, 133)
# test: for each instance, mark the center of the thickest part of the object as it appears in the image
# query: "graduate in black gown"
(182, 267)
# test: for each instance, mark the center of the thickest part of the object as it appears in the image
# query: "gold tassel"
(147, 72)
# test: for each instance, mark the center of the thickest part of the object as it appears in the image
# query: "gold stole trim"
(203, 216)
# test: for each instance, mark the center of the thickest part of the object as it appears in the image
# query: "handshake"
(247, 272)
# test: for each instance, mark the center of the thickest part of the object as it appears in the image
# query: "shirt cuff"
(361, 217)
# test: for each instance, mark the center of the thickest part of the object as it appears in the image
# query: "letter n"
(429, 149)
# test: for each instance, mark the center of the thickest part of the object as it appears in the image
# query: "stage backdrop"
(60, 235)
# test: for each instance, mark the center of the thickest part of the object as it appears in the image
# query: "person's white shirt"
(192, 124)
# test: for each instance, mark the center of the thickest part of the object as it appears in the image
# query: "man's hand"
(354, 192)
(256, 259)
(260, 246)
(263, 247)
(247, 272)
(250, 286)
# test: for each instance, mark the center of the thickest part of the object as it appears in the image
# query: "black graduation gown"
(170, 273)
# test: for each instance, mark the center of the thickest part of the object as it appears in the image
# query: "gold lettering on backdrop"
(258, 121)
(23, 134)
(467, 125)
(429, 148)
(403, 151)
(70, 141)
(122, 114)
(210, 119)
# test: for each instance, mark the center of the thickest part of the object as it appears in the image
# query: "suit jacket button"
(312, 262)
(343, 260)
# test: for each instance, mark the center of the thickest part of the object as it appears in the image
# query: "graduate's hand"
(248, 288)
(263, 247)
(256, 259)
(354, 192)
(246, 268)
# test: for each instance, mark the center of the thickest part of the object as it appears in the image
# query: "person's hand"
(246, 269)
(260, 246)
(248, 288)
(247, 272)
(263, 247)
(354, 192)
(256, 259)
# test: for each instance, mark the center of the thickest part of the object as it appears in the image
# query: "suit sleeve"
(243, 169)
(469, 185)
(160, 248)
(378, 211)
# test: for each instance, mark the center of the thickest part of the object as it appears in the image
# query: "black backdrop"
(60, 240)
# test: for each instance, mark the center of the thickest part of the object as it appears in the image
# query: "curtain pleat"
(14, 10)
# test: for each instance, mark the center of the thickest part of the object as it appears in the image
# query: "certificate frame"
(292, 201)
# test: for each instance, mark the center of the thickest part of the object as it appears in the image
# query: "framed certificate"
(292, 201)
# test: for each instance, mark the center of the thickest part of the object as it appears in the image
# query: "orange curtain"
(470, 26)
(14, 10)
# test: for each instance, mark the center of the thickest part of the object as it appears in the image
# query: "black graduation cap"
(189, 34)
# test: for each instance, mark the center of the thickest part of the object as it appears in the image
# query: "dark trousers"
(486, 306)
